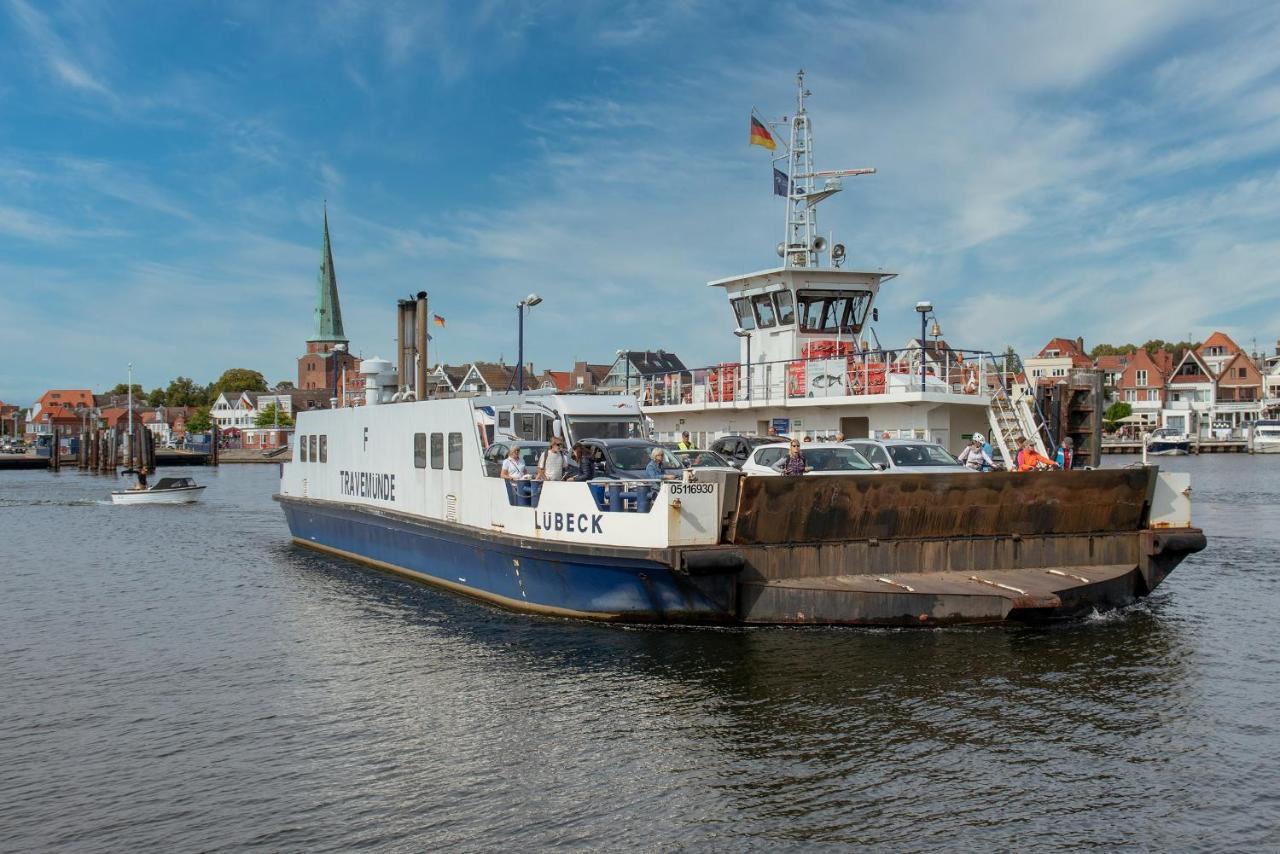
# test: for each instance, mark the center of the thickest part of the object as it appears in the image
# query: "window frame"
(780, 299)
(455, 452)
(315, 457)
(324, 447)
(747, 319)
(437, 451)
(764, 302)
(420, 450)
(302, 449)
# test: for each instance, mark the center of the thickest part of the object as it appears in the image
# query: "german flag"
(760, 135)
(438, 320)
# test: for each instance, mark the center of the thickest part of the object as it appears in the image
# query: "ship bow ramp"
(934, 549)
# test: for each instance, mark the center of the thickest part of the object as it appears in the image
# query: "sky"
(1108, 170)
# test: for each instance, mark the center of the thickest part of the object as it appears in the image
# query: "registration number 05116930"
(693, 488)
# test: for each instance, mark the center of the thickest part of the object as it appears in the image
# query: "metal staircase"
(1012, 413)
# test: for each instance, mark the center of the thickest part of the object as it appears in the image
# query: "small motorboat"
(166, 490)
(1166, 441)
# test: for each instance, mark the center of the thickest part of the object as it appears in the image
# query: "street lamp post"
(528, 302)
(742, 333)
(925, 308)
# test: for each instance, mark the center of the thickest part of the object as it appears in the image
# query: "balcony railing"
(830, 372)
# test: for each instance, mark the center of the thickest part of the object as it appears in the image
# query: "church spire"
(328, 312)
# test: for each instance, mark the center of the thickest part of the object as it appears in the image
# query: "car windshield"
(604, 428)
(920, 454)
(701, 459)
(834, 459)
(636, 458)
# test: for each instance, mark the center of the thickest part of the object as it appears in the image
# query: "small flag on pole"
(781, 186)
(760, 135)
(437, 320)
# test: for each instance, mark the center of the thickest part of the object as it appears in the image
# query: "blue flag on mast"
(781, 185)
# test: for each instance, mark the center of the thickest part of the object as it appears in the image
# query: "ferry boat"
(400, 483)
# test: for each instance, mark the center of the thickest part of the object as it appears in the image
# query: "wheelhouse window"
(437, 450)
(765, 316)
(455, 451)
(833, 311)
(419, 450)
(742, 313)
(786, 307)
(324, 449)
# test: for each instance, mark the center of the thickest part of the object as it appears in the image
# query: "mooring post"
(53, 451)
(213, 445)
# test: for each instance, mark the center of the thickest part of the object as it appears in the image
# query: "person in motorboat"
(513, 468)
(555, 462)
(141, 474)
(1029, 459)
(975, 456)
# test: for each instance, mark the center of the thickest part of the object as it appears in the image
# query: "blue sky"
(1110, 170)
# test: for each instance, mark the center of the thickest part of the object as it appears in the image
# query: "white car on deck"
(819, 458)
(906, 455)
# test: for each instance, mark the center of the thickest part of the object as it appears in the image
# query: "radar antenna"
(802, 244)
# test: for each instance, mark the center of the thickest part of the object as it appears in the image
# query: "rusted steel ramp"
(907, 549)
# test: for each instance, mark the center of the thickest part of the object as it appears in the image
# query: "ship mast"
(802, 244)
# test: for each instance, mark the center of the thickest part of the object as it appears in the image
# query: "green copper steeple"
(328, 312)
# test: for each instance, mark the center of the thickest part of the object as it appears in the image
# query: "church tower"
(327, 350)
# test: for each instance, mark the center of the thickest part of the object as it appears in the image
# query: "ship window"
(302, 449)
(437, 450)
(833, 311)
(455, 451)
(742, 313)
(764, 311)
(314, 456)
(419, 450)
(504, 419)
(527, 426)
(786, 307)
(324, 449)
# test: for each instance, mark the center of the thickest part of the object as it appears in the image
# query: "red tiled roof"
(1219, 339)
(1112, 363)
(72, 397)
(561, 379)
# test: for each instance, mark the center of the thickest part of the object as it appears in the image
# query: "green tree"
(156, 397)
(266, 417)
(121, 388)
(1112, 350)
(200, 422)
(239, 379)
(1115, 413)
(183, 391)
(284, 384)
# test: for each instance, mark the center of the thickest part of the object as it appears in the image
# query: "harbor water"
(182, 678)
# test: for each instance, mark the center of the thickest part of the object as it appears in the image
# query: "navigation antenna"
(802, 244)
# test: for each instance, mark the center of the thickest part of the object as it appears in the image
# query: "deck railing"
(837, 372)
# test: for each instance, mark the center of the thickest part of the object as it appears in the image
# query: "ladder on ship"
(1012, 413)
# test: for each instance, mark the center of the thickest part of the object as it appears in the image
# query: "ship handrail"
(611, 495)
(949, 371)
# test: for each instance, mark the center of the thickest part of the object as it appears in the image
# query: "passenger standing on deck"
(1066, 454)
(974, 457)
(654, 469)
(773, 432)
(685, 444)
(794, 463)
(513, 467)
(554, 461)
(584, 461)
(1029, 459)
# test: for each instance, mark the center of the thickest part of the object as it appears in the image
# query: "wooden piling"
(55, 458)
(213, 445)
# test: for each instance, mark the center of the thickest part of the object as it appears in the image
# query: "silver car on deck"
(906, 455)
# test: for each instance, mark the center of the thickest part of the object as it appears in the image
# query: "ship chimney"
(420, 347)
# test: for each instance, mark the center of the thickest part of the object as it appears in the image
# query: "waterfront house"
(1142, 384)
(236, 409)
(11, 420)
(587, 377)
(1215, 390)
(493, 377)
(265, 438)
(632, 365)
(445, 380)
(1271, 385)
(1056, 359)
(557, 381)
(1112, 367)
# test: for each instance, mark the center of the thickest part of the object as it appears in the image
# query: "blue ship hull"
(545, 578)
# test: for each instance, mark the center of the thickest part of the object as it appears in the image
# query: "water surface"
(183, 678)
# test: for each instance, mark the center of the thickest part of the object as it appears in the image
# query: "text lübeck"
(581, 523)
